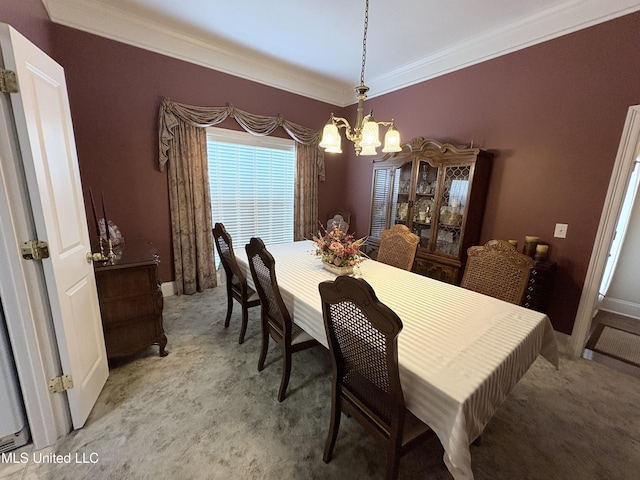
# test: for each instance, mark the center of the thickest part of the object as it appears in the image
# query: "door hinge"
(60, 384)
(8, 81)
(35, 250)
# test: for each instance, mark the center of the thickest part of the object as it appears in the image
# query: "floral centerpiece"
(338, 250)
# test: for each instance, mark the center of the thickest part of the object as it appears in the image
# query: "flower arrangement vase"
(337, 270)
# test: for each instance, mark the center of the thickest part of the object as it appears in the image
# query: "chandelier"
(365, 135)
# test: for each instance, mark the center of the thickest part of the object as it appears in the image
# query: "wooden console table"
(131, 300)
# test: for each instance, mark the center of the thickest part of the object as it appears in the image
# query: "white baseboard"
(168, 289)
(621, 307)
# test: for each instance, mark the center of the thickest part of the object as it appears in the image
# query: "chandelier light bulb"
(331, 138)
(392, 140)
(368, 151)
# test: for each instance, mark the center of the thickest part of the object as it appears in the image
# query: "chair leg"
(229, 307)
(393, 453)
(265, 347)
(393, 463)
(334, 426)
(286, 373)
(245, 320)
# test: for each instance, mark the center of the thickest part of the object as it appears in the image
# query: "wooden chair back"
(497, 269)
(363, 341)
(339, 222)
(224, 246)
(398, 247)
(274, 311)
(345, 214)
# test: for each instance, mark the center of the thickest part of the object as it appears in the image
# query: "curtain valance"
(172, 113)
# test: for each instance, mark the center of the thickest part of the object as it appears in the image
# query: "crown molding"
(110, 22)
(560, 19)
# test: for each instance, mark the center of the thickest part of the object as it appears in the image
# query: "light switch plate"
(561, 230)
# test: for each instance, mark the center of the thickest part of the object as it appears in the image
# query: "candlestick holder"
(530, 244)
(100, 256)
(111, 255)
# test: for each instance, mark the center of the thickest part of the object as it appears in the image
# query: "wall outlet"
(561, 230)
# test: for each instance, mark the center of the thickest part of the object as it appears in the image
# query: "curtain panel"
(183, 146)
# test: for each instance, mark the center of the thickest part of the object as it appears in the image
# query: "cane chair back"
(363, 340)
(237, 288)
(398, 247)
(337, 221)
(275, 318)
(498, 270)
(341, 217)
(345, 214)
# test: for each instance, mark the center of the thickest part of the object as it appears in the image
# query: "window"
(251, 182)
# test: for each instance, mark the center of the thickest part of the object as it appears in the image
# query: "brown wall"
(115, 91)
(30, 18)
(553, 115)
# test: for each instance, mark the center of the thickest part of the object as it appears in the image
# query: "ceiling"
(315, 48)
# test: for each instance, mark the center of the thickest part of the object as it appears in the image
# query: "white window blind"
(251, 182)
(380, 209)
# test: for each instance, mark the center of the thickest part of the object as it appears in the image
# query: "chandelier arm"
(352, 134)
(341, 122)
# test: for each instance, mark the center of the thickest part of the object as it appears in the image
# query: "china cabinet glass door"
(426, 184)
(402, 198)
(453, 201)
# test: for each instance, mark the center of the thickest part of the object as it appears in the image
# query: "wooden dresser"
(131, 300)
(538, 290)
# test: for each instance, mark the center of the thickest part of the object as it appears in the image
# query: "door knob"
(93, 257)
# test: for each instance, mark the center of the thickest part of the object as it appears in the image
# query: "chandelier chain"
(364, 41)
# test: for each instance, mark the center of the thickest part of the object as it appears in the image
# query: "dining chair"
(345, 214)
(497, 269)
(237, 287)
(275, 318)
(398, 247)
(341, 217)
(338, 221)
(363, 341)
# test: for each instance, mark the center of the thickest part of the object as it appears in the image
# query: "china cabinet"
(438, 191)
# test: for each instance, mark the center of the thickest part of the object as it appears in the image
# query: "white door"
(46, 140)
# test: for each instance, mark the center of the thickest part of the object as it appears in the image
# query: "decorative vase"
(337, 270)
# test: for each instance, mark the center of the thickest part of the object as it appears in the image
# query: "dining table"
(460, 353)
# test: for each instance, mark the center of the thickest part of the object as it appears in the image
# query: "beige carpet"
(616, 343)
(205, 412)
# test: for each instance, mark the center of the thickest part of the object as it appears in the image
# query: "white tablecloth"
(460, 352)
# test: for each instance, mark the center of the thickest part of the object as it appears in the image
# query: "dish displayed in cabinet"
(450, 217)
(424, 210)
